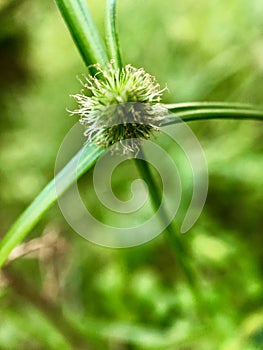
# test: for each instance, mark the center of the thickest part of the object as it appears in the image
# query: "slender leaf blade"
(79, 21)
(198, 111)
(112, 36)
(208, 105)
(30, 217)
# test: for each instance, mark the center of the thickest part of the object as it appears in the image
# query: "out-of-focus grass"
(136, 298)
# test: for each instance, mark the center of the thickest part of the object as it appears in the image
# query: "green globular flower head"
(120, 107)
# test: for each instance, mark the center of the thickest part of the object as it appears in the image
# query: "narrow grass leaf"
(30, 217)
(188, 112)
(79, 21)
(112, 36)
(208, 105)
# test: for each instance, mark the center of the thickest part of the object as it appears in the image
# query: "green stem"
(112, 37)
(175, 243)
(78, 19)
(23, 225)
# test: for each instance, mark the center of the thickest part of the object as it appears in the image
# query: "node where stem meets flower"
(120, 107)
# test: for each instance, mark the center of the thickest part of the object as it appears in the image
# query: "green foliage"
(112, 36)
(87, 156)
(137, 298)
(84, 32)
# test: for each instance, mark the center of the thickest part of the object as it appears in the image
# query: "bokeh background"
(68, 289)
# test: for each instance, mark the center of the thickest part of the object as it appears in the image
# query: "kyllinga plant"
(119, 106)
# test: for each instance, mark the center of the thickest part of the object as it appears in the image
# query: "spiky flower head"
(120, 107)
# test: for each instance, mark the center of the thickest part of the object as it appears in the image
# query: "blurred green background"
(134, 298)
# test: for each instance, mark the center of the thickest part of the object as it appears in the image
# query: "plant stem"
(175, 243)
(180, 252)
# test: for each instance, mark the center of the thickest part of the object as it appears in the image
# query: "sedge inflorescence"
(120, 107)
